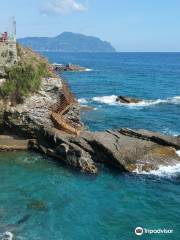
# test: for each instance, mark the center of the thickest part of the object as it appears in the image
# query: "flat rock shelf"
(10, 143)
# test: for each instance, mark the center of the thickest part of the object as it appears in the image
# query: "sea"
(41, 199)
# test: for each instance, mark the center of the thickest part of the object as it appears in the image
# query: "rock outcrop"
(127, 150)
(13, 143)
(125, 99)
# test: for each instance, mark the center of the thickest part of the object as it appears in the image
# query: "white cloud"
(63, 7)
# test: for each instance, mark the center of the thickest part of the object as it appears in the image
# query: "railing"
(65, 99)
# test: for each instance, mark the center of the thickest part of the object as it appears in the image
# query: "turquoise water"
(57, 203)
(76, 206)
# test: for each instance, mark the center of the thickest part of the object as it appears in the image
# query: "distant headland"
(67, 42)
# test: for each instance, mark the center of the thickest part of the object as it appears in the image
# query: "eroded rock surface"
(127, 152)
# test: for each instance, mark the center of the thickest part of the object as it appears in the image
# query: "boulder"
(125, 99)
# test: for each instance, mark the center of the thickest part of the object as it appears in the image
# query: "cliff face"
(33, 120)
(35, 112)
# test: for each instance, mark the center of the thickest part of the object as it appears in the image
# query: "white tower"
(14, 28)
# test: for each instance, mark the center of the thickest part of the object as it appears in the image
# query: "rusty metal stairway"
(65, 101)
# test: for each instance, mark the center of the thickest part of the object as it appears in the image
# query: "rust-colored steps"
(60, 108)
(62, 124)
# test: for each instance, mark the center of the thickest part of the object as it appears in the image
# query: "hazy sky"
(130, 25)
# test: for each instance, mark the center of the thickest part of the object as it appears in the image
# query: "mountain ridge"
(67, 42)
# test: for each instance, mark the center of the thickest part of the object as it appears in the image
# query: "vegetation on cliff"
(25, 77)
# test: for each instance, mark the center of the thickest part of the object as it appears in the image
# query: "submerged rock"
(87, 108)
(125, 99)
(37, 205)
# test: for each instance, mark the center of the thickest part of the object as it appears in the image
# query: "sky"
(129, 25)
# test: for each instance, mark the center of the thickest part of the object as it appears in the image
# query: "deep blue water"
(64, 204)
(149, 76)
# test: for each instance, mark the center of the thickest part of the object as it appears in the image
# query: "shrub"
(22, 80)
(19, 50)
(25, 77)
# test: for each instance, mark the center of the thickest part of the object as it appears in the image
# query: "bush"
(22, 80)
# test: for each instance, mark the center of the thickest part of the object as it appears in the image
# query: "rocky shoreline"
(126, 149)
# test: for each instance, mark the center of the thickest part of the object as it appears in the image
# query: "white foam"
(166, 171)
(144, 103)
(163, 171)
(174, 100)
(178, 153)
(58, 64)
(106, 99)
(111, 100)
(82, 101)
(7, 236)
(88, 70)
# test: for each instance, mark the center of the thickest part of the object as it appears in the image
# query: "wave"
(88, 70)
(111, 100)
(164, 171)
(82, 101)
(106, 99)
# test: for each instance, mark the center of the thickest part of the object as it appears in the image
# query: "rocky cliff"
(125, 149)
